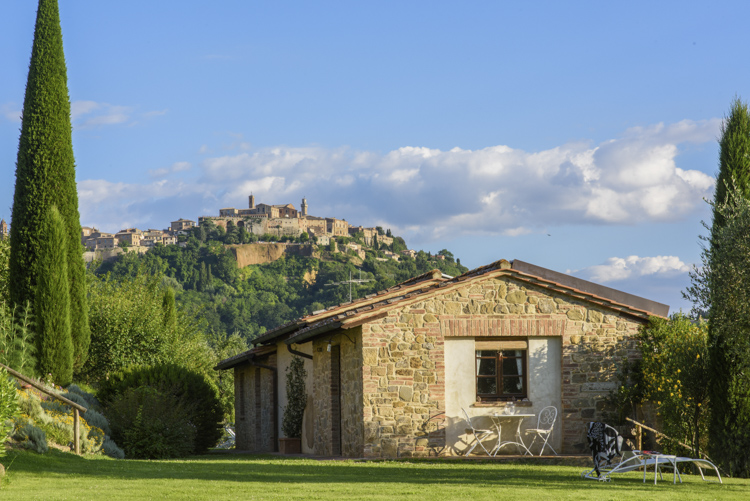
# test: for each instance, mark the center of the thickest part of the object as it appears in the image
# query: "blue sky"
(579, 136)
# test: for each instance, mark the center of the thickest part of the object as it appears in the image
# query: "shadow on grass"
(273, 469)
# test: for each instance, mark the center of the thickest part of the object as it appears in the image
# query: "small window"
(501, 374)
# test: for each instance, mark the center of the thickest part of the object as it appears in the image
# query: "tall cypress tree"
(734, 157)
(52, 303)
(45, 174)
(728, 286)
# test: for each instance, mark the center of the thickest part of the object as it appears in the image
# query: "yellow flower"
(698, 355)
(678, 371)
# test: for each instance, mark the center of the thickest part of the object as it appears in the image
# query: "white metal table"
(497, 420)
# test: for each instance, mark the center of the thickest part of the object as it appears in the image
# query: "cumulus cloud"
(619, 269)
(431, 193)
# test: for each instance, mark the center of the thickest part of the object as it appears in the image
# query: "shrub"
(31, 437)
(296, 396)
(196, 393)
(153, 423)
(111, 449)
(91, 400)
(97, 420)
(17, 349)
(127, 321)
(674, 374)
(8, 406)
(55, 419)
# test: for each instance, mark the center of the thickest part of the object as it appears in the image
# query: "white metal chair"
(544, 426)
(478, 434)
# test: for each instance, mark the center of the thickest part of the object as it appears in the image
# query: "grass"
(58, 475)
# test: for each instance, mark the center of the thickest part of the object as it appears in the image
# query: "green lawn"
(57, 475)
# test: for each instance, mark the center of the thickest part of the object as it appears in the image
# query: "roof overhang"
(245, 358)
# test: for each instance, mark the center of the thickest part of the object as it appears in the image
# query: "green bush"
(296, 396)
(91, 400)
(17, 349)
(8, 406)
(55, 419)
(193, 390)
(97, 420)
(31, 437)
(153, 423)
(111, 449)
(127, 320)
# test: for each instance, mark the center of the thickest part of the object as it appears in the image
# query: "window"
(501, 370)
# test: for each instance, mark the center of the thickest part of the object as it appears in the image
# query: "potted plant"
(296, 396)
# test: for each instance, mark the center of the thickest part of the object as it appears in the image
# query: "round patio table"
(497, 420)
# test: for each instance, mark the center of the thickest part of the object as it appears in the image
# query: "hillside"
(252, 297)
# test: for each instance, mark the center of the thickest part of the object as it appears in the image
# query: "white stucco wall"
(545, 383)
(544, 379)
(284, 358)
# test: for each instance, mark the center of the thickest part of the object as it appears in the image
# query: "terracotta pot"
(290, 445)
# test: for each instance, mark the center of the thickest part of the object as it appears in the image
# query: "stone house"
(181, 225)
(337, 227)
(129, 236)
(389, 374)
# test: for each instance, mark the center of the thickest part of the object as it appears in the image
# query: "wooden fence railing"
(639, 436)
(77, 408)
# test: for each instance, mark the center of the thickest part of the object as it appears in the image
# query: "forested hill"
(256, 298)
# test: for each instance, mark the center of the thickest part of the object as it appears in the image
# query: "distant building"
(337, 227)
(3, 229)
(182, 225)
(130, 236)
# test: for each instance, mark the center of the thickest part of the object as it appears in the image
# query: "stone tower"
(3, 229)
(303, 207)
(252, 201)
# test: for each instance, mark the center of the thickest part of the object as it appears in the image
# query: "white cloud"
(11, 112)
(495, 190)
(175, 167)
(619, 269)
(92, 114)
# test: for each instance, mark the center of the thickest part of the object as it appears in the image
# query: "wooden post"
(76, 431)
(640, 437)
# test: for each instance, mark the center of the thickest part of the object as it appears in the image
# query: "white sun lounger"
(634, 460)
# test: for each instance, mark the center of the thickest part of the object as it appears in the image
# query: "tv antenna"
(351, 281)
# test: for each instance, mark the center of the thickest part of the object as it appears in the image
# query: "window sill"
(501, 404)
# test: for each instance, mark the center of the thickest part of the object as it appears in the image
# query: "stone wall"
(595, 344)
(403, 383)
(255, 419)
(403, 356)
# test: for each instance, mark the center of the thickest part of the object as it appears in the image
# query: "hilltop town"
(263, 221)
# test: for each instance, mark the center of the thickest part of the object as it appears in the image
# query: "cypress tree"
(728, 284)
(52, 303)
(169, 309)
(45, 174)
(734, 158)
